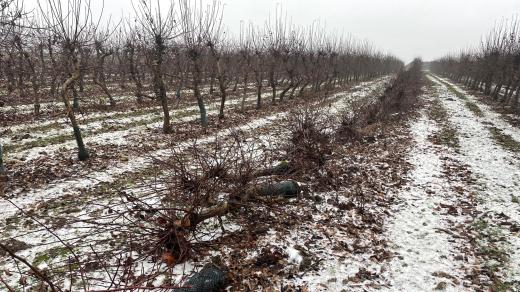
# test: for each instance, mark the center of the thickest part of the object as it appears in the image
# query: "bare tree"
(201, 29)
(159, 25)
(221, 53)
(493, 68)
(290, 55)
(131, 50)
(245, 60)
(102, 52)
(10, 13)
(258, 63)
(73, 25)
(275, 38)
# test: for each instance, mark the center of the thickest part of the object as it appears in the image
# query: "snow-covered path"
(489, 116)
(422, 252)
(437, 243)
(497, 172)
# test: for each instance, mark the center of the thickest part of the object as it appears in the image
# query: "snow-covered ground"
(497, 171)
(87, 180)
(489, 115)
(58, 105)
(428, 239)
(422, 251)
(103, 128)
(82, 181)
(435, 231)
(442, 247)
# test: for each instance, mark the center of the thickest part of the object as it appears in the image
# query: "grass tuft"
(472, 106)
(447, 135)
(504, 140)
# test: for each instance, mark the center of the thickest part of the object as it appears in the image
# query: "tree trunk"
(506, 90)
(284, 91)
(211, 82)
(178, 92)
(487, 88)
(41, 81)
(221, 78)
(515, 102)
(235, 87)
(2, 168)
(223, 95)
(273, 85)
(158, 83)
(291, 96)
(496, 92)
(196, 91)
(259, 80)
(300, 93)
(104, 88)
(20, 73)
(11, 82)
(82, 151)
(54, 65)
(133, 74)
(81, 83)
(244, 96)
(167, 128)
(99, 74)
(34, 82)
(202, 107)
(75, 98)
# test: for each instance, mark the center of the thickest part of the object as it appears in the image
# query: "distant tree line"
(493, 68)
(63, 50)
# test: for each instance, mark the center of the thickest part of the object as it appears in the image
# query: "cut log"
(210, 279)
(281, 168)
(286, 189)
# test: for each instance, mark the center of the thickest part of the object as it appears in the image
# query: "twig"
(7, 285)
(35, 270)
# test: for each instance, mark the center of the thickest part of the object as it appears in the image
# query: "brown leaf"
(168, 258)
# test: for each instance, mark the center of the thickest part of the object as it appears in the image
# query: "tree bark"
(259, 80)
(272, 82)
(99, 74)
(197, 77)
(159, 87)
(244, 96)
(223, 96)
(133, 73)
(2, 168)
(83, 154)
(221, 78)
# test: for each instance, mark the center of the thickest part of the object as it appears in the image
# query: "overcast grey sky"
(406, 28)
